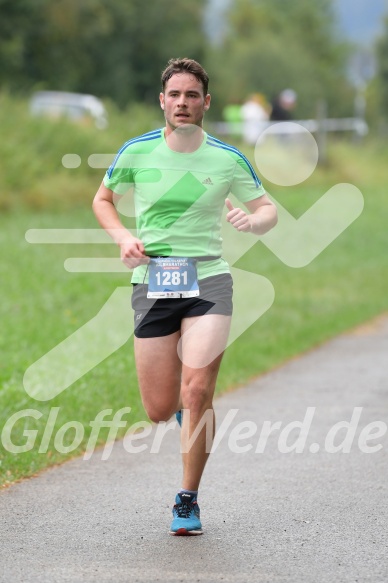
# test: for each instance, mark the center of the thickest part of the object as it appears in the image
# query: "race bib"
(172, 277)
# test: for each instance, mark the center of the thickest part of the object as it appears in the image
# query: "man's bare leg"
(203, 338)
(175, 371)
(159, 372)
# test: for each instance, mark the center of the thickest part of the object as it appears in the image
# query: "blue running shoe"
(178, 416)
(186, 520)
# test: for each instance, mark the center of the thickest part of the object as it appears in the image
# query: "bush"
(32, 149)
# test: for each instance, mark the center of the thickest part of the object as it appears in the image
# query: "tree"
(273, 44)
(382, 69)
(16, 20)
(113, 49)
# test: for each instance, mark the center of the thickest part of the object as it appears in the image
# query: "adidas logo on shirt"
(207, 181)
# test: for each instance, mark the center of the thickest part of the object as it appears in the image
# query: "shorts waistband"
(202, 258)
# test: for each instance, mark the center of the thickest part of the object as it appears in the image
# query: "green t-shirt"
(179, 197)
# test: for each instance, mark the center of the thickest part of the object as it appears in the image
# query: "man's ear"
(207, 102)
(161, 100)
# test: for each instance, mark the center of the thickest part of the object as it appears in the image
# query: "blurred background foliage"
(273, 44)
(117, 49)
(111, 49)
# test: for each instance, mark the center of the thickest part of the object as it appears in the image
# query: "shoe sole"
(184, 532)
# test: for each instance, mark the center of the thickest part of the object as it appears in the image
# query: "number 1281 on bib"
(172, 277)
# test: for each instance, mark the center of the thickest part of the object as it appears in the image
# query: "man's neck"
(184, 140)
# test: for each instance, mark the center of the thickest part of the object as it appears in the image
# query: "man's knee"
(197, 396)
(157, 413)
(158, 416)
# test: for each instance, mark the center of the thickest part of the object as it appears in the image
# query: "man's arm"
(131, 249)
(263, 215)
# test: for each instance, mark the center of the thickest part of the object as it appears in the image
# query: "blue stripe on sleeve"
(143, 138)
(219, 144)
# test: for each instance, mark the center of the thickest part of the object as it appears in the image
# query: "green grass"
(31, 154)
(42, 303)
(344, 286)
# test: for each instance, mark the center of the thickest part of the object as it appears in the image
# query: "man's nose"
(182, 100)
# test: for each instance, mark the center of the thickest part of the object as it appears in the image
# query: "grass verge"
(43, 304)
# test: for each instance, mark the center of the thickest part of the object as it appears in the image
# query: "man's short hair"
(185, 65)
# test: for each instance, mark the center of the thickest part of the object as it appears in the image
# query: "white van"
(77, 107)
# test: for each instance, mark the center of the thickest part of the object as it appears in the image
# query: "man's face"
(183, 101)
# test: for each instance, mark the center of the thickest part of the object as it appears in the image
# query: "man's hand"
(131, 249)
(132, 252)
(238, 218)
(261, 218)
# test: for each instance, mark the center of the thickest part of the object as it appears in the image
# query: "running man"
(180, 178)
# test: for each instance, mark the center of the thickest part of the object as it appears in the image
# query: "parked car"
(77, 107)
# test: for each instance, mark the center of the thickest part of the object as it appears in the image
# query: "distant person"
(232, 112)
(231, 115)
(254, 112)
(283, 105)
